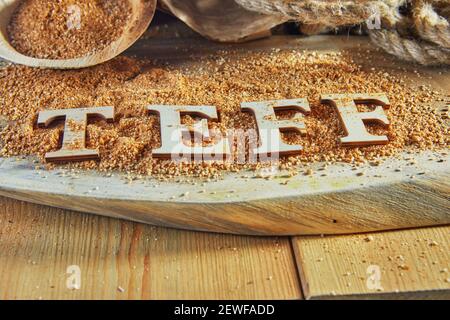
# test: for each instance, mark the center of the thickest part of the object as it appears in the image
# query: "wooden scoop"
(141, 16)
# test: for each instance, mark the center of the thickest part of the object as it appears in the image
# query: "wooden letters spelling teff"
(74, 136)
(268, 127)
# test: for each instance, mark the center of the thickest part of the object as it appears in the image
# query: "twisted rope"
(421, 34)
(410, 50)
(431, 26)
(325, 12)
(328, 12)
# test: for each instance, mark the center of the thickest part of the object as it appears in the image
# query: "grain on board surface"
(223, 79)
(63, 29)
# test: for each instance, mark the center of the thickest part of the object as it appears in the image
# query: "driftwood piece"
(222, 20)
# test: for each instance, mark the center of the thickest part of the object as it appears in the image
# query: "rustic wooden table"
(125, 260)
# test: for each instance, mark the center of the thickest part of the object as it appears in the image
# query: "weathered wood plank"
(412, 264)
(38, 244)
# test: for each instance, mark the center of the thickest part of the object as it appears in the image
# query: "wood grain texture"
(141, 16)
(412, 263)
(38, 243)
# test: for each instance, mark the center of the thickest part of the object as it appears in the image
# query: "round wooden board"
(340, 202)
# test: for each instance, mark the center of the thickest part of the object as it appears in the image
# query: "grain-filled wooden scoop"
(141, 15)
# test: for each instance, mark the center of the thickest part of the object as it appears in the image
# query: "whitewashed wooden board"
(340, 202)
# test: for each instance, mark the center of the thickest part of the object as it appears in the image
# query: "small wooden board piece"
(126, 260)
(412, 264)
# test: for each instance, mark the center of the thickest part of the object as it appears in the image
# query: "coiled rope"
(413, 30)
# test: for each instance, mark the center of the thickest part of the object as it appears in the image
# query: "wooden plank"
(38, 244)
(411, 264)
(340, 202)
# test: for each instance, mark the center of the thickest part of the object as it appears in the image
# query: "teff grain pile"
(63, 29)
(223, 80)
